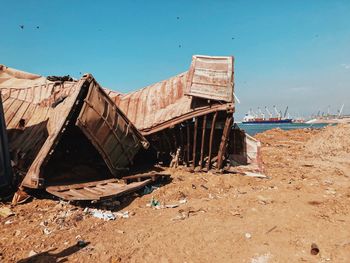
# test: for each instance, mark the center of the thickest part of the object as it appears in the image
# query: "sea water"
(253, 129)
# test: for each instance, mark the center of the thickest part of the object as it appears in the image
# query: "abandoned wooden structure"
(190, 116)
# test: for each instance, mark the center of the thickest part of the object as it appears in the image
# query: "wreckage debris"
(6, 171)
(66, 133)
(74, 138)
(188, 119)
(314, 249)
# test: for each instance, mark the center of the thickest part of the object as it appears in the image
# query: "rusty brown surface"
(5, 171)
(172, 101)
(47, 121)
(211, 78)
(96, 190)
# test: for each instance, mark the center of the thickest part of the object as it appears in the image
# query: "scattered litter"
(264, 200)
(331, 191)
(180, 216)
(82, 243)
(271, 229)
(124, 214)
(105, 215)
(247, 235)
(47, 231)
(149, 189)
(314, 249)
(261, 259)
(183, 201)
(185, 213)
(44, 223)
(193, 186)
(204, 179)
(203, 186)
(171, 206)
(6, 212)
(120, 231)
(32, 253)
(8, 222)
(257, 175)
(236, 213)
(17, 233)
(154, 202)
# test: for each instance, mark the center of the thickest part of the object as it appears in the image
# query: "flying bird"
(21, 26)
(37, 27)
(177, 17)
(179, 46)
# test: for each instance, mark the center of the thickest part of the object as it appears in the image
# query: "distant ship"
(252, 118)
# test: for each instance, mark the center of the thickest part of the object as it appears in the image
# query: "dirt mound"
(332, 141)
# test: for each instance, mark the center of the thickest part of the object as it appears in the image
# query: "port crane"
(268, 112)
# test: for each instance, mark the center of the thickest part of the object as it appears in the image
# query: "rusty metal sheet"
(41, 116)
(165, 103)
(95, 190)
(211, 78)
(5, 167)
(109, 130)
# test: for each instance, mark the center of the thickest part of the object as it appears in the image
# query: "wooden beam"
(188, 142)
(203, 140)
(211, 139)
(223, 144)
(194, 142)
(182, 143)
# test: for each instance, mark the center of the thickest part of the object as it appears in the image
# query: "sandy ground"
(227, 218)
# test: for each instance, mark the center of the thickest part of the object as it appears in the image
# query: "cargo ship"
(259, 118)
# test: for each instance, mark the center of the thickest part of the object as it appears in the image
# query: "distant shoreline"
(331, 121)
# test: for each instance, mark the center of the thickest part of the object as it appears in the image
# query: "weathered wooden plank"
(203, 140)
(212, 130)
(194, 142)
(223, 144)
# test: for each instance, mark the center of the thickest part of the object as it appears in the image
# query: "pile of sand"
(332, 141)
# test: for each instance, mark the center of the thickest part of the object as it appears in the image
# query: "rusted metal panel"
(109, 130)
(41, 116)
(211, 78)
(172, 101)
(96, 190)
(5, 167)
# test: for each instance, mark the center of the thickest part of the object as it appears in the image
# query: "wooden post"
(211, 139)
(223, 144)
(203, 140)
(182, 143)
(188, 142)
(194, 142)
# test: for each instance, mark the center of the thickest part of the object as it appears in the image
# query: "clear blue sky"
(294, 53)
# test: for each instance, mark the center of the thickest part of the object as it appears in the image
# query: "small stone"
(32, 253)
(44, 223)
(8, 222)
(248, 235)
(47, 231)
(183, 201)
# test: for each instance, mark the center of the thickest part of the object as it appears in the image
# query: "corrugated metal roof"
(165, 103)
(38, 112)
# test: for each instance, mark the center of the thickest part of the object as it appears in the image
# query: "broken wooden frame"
(198, 150)
(63, 134)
